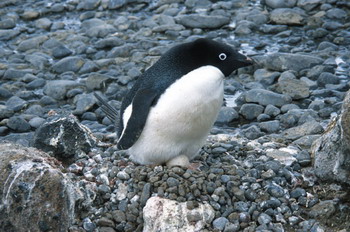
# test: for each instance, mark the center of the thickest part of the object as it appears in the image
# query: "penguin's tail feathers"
(109, 110)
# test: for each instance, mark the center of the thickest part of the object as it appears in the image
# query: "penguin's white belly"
(182, 118)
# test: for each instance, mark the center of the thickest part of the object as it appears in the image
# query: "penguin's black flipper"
(141, 106)
(109, 110)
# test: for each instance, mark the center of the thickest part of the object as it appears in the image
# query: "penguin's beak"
(247, 61)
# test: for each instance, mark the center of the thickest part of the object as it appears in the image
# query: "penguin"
(166, 116)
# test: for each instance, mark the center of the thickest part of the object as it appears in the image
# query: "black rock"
(64, 136)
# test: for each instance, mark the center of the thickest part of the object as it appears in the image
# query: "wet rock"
(286, 16)
(168, 215)
(64, 136)
(286, 61)
(35, 193)
(251, 111)
(202, 21)
(72, 63)
(330, 151)
(266, 97)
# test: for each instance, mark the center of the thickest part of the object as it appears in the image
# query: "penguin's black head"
(220, 55)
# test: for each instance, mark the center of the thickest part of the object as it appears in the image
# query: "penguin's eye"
(222, 56)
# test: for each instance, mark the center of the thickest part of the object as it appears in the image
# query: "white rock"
(171, 216)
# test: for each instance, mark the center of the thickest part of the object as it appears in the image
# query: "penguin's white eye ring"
(222, 56)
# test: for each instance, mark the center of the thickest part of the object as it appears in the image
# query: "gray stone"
(327, 78)
(97, 81)
(286, 16)
(280, 3)
(272, 110)
(306, 141)
(326, 45)
(286, 61)
(270, 126)
(5, 112)
(309, 128)
(202, 21)
(336, 13)
(71, 63)
(220, 223)
(289, 85)
(97, 28)
(35, 110)
(7, 34)
(251, 111)
(226, 115)
(272, 29)
(252, 132)
(58, 89)
(7, 24)
(36, 122)
(266, 97)
(15, 103)
(4, 93)
(332, 26)
(264, 219)
(88, 4)
(18, 124)
(36, 194)
(309, 4)
(15, 74)
(266, 77)
(43, 23)
(297, 192)
(83, 102)
(109, 43)
(61, 51)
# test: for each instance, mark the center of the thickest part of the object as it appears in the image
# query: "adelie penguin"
(166, 116)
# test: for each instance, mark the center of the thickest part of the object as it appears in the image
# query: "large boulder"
(331, 152)
(35, 194)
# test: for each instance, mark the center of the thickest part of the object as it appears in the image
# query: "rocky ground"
(256, 172)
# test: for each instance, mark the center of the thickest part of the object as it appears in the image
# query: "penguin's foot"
(180, 160)
(194, 166)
